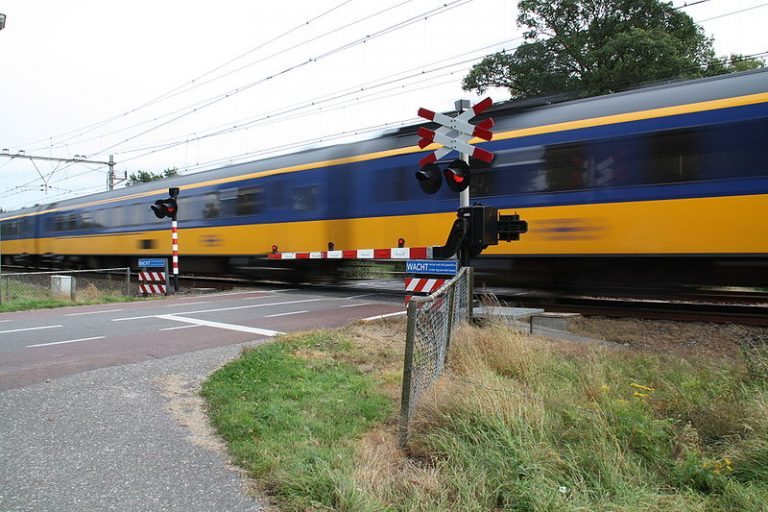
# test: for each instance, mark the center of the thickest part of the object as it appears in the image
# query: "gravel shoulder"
(127, 438)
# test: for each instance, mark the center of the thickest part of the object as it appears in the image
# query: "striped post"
(175, 248)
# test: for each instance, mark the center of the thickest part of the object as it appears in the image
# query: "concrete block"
(550, 320)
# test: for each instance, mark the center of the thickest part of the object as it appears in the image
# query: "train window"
(211, 206)
(100, 218)
(567, 167)
(394, 184)
(86, 221)
(734, 150)
(249, 201)
(60, 223)
(117, 216)
(72, 221)
(277, 194)
(305, 198)
(135, 213)
(227, 199)
(9, 228)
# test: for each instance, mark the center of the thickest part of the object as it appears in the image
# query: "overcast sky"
(131, 78)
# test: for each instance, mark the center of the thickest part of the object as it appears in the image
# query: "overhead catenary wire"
(207, 102)
(238, 90)
(166, 94)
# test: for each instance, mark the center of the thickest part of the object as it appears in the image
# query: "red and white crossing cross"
(462, 130)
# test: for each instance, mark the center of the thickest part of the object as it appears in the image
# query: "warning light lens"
(429, 178)
(457, 175)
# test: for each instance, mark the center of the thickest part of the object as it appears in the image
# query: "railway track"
(744, 307)
(717, 311)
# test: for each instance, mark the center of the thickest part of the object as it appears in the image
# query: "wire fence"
(431, 322)
(65, 285)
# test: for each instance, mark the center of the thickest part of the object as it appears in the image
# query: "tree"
(145, 176)
(600, 46)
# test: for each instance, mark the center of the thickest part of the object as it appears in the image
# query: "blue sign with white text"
(152, 262)
(437, 267)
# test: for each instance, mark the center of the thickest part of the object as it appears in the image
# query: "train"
(665, 185)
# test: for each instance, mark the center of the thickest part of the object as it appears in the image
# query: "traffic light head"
(457, 175)
(165, 208)
(429, 178)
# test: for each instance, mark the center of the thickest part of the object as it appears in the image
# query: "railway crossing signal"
(454, 134)
(165, 208)
(170, 208)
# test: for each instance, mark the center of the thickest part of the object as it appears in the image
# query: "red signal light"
(457, 175)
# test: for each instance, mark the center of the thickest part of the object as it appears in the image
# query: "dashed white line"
(356, 305)
(67, 341)
(186, 304)
(31, 329)
(286, 314)
(94, 312)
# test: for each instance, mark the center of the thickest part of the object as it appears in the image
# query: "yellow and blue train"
(665, 184)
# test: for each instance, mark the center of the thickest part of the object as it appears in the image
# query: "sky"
(197, 84)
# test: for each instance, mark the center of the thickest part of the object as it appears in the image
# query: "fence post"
(451, 320)
(405, 400)
(470, 292)
(127, 281)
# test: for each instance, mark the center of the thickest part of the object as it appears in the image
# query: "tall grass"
(516, 423)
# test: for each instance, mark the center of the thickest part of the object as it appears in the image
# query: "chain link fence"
(66, 285)
(431, 322)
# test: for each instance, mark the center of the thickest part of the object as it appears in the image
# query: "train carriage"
(666, 184)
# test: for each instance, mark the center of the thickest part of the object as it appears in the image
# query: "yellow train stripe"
(719, 225)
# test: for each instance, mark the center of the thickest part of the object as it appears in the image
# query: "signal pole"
(461, 106)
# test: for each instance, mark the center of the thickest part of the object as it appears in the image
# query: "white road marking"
(31, 329)
(180, 327)
(359, 296)
(286, 314)
(94, 312)
(187, 304)
(219, 325)
(3, 321)
(68, 341)
(379, 317)
(356, 305)
(233, 308)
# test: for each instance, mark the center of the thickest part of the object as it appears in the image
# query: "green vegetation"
(591, 47)
(291, 414)
(516, 423)
(19, 295)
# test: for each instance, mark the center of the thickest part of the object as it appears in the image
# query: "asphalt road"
(99, 407)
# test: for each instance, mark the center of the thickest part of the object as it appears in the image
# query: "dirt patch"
(187, 408)
(682, 339)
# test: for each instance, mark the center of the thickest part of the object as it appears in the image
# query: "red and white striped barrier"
(395, 253)
(152, 283)
(422, 286)
(152, 276)
(150, 289)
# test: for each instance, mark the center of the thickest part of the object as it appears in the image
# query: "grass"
(19, 296)
(516, 423)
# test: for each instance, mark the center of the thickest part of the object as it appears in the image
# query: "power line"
(99, 124)
(211, 101)
(733, 12)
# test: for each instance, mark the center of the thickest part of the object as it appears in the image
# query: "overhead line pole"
(110, 163)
